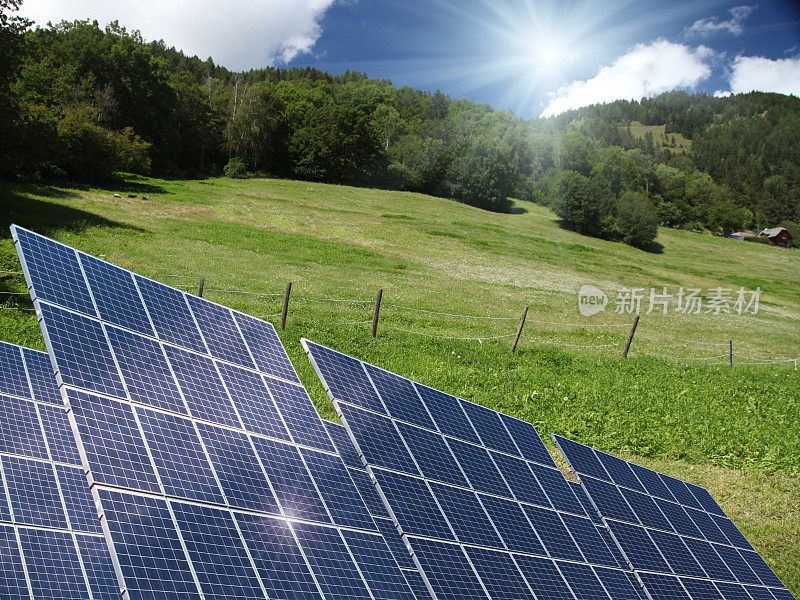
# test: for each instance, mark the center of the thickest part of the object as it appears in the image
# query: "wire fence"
(606, 338)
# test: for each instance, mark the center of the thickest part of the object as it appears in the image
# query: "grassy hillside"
(735, 432)
(660, 136)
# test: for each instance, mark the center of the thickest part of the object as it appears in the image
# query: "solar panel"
(377, 510)
(51, 544)
(475, 494)
(674, 535)
(202, 448)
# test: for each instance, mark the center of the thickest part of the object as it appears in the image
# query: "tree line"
(81, 102)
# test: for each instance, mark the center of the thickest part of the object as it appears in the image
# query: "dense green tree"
(636, 221)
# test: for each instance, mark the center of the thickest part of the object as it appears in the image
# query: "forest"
(81, 102)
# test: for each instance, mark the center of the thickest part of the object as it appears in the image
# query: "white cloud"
(646, 70)
(750, 73)
(711, 25)
(239, 34)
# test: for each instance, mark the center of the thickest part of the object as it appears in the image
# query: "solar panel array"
(474, 493)
(51, 544)
(215, 475)
(376, 508)
(673, 534)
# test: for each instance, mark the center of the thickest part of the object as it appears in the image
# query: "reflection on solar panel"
(215, 474)
(376, 508)
(51, 544)
(474, 493)
(673, 534)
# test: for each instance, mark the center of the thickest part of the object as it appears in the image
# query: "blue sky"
(530, 56)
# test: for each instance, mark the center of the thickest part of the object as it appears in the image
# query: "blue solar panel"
(116, 295)
(299, 414)
(413, 504)
(202, 387)
(196, 413)
(58, 432)
(336, 487)
(145, 370)
(265, 347)
(52, 564)
(147, 546)
(179, 457)
(509, 520)
(523, 483)
(583, 580)
(432, 454)
(98, 566)
(399, 396)
(466, 516)
(241, 477)
(490, 428)
(663, 587)
(473, 499)
(337, 574)
(527, 440)
(113, 443)
(544, 578)
(277, 558)
(368, 492)
(376, 565)
(220, 332)
(553, 533)
(32, 489)
(14, 381)
(477, 464)
(217, 552)
(48, 492)
(40, 374)
(87, 363)
(642, 509)
(20, 432)
(701, 588)
(344, 447)
(78, 500)
(170, 314)
(381, 444)
(639, 549)
(252, 399)
(646, 510)
(395, 542)
(499, 573)
(377, 509)
(53, 272)
(294, 487)
(447, 570)
(448, 414)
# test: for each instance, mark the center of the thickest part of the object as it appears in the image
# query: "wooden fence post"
(630, 337)
(200, 286)
(519, 328)
(377, 310)
(285, 304)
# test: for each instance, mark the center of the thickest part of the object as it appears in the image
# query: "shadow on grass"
(651, 248)
(23, 204)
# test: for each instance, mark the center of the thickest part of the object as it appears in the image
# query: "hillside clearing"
(737, 432)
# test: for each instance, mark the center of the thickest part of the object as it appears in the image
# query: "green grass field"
(660, 136)
(667, 406)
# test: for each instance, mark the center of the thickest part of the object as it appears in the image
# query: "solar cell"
(377, 509)
(481, 503)
(189, 413)
(668, 527)
(51, 544)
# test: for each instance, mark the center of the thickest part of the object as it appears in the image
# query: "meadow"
(673, 404)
